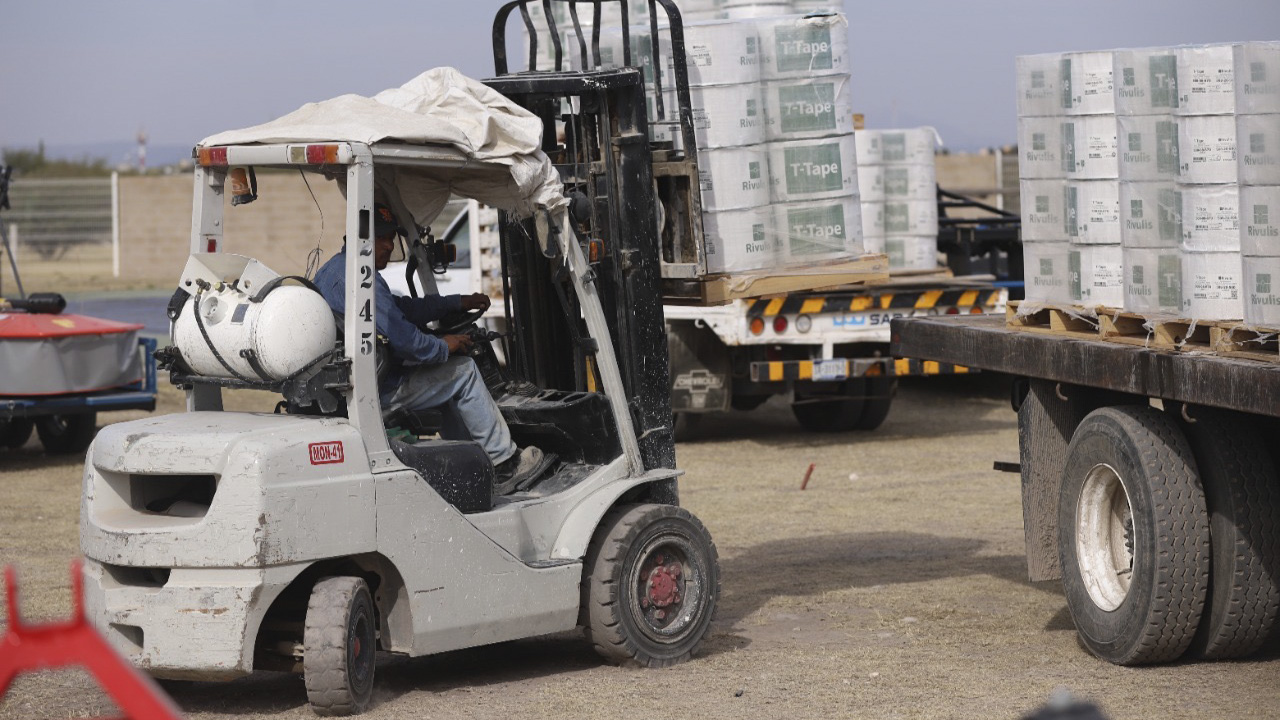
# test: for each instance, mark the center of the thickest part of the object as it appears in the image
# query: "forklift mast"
(596, 131)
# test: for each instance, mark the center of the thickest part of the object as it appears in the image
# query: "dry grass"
(893, 587)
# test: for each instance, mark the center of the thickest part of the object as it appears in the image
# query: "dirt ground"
(893, 587)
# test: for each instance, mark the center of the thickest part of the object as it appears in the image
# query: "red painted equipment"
(74, 643)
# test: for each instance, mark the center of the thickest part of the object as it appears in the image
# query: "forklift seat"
(459, 471)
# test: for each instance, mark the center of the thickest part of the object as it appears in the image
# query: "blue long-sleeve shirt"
(397, 317)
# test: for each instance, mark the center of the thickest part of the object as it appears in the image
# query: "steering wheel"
(452, 323)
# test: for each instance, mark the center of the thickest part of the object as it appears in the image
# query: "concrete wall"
(279, 230)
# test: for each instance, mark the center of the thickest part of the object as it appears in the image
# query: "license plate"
(836, 369)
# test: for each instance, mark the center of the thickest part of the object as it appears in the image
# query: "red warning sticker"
(326, 453)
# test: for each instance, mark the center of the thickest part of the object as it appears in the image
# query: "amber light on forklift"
(757, 326)
(595, 250)
(211, 157)
(780, 324)
(322, 154)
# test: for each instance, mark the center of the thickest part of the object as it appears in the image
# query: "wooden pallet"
(1158, 332)
(720, 289)
(1256, 343)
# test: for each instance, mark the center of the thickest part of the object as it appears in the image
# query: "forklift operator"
(435, 372)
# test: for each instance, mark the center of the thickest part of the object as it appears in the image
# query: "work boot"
(523, 467)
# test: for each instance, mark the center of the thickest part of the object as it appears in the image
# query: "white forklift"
(218, 543)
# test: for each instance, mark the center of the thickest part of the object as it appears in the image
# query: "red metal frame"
(74, 643)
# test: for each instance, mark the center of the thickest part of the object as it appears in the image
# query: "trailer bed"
(1189, 376)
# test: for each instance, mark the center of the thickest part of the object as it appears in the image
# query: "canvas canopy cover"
(439, 107)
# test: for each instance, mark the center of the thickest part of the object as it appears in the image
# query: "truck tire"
(65, 434)
(339, 646)
(650, 586)
(1133, 536)
(833, 412)
(875, 404)
(1242, 499)
(15, 432)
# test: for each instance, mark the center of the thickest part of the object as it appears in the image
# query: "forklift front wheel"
(339, 646)
(651, 587)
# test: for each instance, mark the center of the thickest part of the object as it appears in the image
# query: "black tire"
(1133, 536)
(1242, 500)
(15, 432)
(834, 412)
(666, 551)
(63, 434)
(339, 646)
(876, 402)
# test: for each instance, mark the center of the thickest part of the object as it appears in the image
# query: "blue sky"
(77, 72)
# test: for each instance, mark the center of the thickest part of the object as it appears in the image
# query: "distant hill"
(118, 153)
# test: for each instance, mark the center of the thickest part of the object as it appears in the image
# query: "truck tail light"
(975, 310)
(804, 324)
(953, 311)
(780, 324)
(757, 326)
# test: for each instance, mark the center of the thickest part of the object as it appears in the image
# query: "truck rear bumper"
(838, 369)
(184, 624)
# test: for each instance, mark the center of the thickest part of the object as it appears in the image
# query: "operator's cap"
(384, 222)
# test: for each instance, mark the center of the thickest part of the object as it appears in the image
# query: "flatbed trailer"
(1148, 483)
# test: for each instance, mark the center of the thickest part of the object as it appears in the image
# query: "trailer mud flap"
(700, 369)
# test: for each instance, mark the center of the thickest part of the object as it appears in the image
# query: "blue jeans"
(470, 413)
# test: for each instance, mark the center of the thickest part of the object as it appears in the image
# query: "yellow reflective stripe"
(968, 298)
(931, 368)
(991, 300)
(902, 366)
(960, 369)
(928, 299)
(812, 305)
(861, 302)
(885, 299)
(773, 307)
(775, 371)
(806, 370)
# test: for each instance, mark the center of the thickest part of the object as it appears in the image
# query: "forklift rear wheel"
(1133, 536)
(15, 432)
(651, 586)
(62, 434)
(339, 646)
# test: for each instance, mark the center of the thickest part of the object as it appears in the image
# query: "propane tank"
(267, 336)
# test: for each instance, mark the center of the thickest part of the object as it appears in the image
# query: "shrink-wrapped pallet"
(1260, 220)
(1262, 286)
(1211, 285)
(802, 108)
(796, 46)
(1258, 149)
(1152, 280)
(819, 230)
(1206, 80)
(1043, 213)
(912, 252)
(813, 169)
(734, 178)
(1046, 277)
(1091, 212)
(1207, 149)
(1210, 218)
(1146, 81)
(1150, 215)
(1148, 147)
(1096, 275)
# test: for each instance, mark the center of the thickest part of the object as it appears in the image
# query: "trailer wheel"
(63, 434)
(876, 401)
(1133, 536)
(15, 432)
(339, 646)
(1244, 583)
(840, 412)
(651, 586)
